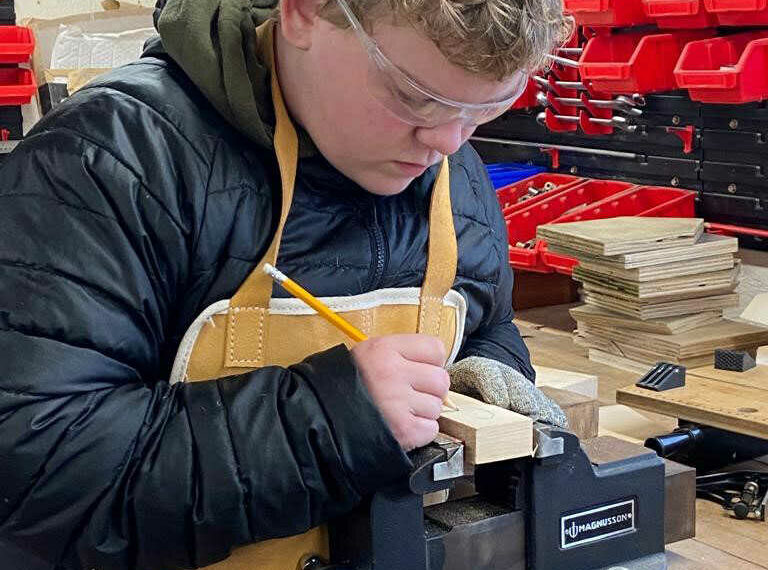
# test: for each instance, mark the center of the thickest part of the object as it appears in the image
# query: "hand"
(405, 376)
(502, 385)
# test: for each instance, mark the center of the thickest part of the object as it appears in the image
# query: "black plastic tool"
(734, 360)
(663, 376)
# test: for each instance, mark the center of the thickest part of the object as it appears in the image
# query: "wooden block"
(657, 272)
(614, 236)
(667, 325)
(645, 311)
(584, 384)
(762, 355)
(740, 408)
(679, 484)
(627, 423)
(757, 310)
(582, 412)
(489, 433)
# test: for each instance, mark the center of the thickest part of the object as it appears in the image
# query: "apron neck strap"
(442, 254)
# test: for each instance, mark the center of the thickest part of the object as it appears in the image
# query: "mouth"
(413, 169)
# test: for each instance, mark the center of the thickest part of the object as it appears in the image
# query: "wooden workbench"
(721, 542)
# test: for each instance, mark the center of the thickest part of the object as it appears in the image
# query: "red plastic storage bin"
(608, 12)
(510, 195)
(522, 224)
(17, 86)
(647, 201)
(739, 12)
(730, 69)
(591, 199)
(636, 62)
(679, 13)
(16, 44)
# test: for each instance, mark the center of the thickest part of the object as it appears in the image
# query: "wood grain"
(489, 433)
(732, 407)
(583, 412)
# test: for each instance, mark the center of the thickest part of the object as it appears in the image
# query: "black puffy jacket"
(123, 214)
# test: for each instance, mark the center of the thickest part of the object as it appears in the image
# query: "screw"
(732, 188)
(675, 120)
(734, 124)
(675, 181)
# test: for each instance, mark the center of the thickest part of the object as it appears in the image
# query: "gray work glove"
(503, 386)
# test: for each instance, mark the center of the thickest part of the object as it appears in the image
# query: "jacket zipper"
(379, 249)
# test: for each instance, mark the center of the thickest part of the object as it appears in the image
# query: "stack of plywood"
(655, 290)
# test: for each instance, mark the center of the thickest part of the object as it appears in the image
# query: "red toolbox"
(637, 62)
(729, 69)
(739, 12)
(587, 200)
(608, 13)
(17, 44)
(680, 13)
(17, 86)
(509, 196)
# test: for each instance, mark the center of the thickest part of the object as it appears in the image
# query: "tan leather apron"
(252, 330)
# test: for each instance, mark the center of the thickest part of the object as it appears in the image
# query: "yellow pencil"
(325, 311)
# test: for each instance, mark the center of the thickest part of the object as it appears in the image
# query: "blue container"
(505, 173)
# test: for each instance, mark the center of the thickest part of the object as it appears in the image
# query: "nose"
(445, 139)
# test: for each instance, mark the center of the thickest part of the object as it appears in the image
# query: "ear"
(298, 19)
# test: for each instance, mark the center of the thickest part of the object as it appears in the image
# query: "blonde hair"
(494, 38)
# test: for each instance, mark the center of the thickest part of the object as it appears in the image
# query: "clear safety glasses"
(414, 103)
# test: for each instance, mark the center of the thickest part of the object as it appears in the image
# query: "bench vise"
(555, 510)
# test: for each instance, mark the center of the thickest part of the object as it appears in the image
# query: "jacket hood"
(216, 43)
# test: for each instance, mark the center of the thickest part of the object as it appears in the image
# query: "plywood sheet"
(614, 236)
(726, 334)
(644, 311)
(669, 325)
(676, 288)
(639, 354)
(656, 272)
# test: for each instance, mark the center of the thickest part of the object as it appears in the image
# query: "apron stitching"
(233, 322)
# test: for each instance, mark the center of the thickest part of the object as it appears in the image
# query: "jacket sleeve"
(104, 464)
(497, 337)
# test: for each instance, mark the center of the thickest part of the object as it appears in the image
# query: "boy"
(154, 193)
